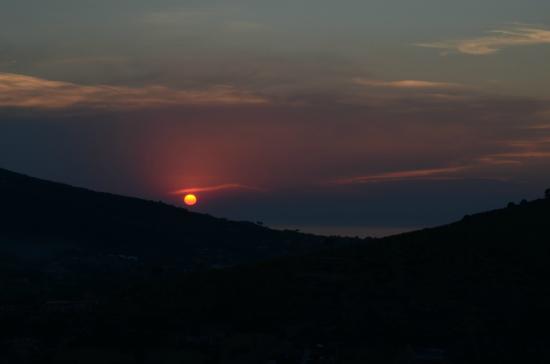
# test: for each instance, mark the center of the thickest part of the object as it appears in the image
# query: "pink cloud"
(407, 84)
(229, 186)
(431, 173)
(23, 91)
(494, 41)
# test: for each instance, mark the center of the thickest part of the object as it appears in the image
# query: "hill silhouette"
(475, 291)
(80, 220)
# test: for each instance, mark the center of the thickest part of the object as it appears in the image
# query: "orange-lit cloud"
(406, 84)
(495, 41)
(395, 93)
(23, 91)
(540, 127)
(520, 151)
(514, 157)
(229, 186)
(432, 173)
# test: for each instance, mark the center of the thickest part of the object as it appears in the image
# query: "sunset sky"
(355, 116)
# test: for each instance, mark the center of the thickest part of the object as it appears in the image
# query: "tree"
(547, 193)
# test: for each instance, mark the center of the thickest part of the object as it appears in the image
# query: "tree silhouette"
(547, 193)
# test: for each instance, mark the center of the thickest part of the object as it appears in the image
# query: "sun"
(190, 199)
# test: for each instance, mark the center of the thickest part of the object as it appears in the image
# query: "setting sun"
(190, 199)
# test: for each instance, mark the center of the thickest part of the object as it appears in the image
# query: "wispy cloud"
(23, 91)
(229, 186)
(407, 94)
(178, 17)
(196, 19)
(521, 151)
(518, 153)
(515, 157)
(407, 84)
(494, 41)
(430, 173)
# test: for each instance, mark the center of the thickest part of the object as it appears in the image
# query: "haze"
(353, 117)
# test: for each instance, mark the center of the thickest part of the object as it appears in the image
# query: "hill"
(475, 291)
(471, 292)
(52, 218)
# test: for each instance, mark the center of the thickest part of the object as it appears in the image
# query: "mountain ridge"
(134, 226)
(473, 291)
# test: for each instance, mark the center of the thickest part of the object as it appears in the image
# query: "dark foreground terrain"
(97, 278)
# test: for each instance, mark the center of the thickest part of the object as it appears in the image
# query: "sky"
(356, 117)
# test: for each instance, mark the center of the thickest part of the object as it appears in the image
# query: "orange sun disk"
(190, 199)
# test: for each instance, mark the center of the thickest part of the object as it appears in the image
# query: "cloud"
(431, 173)
(398, 93)
(494, 41)
(177, 17)
(196, 20)
(515, 157)
(521, 151)
(407, 84)
(21, 91)
(229, 186)
(516, 153)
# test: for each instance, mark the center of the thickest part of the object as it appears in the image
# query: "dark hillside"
(475, 291)
(34, 210)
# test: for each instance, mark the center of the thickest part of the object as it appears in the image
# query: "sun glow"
(190, 199)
